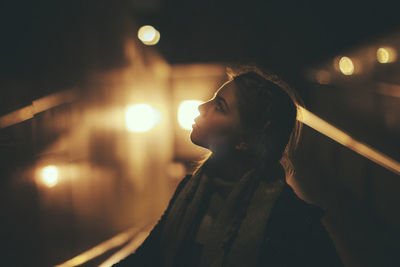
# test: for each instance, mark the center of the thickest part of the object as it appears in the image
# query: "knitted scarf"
(234, 241)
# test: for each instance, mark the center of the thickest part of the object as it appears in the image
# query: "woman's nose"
(202, 108)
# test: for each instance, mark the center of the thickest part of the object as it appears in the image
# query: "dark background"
(284, 36)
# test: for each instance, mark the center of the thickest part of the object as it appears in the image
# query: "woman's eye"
(218, 106)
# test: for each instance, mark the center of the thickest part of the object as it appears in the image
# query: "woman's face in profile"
(218, 125)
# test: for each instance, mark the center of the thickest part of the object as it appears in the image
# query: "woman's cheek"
(220, 134)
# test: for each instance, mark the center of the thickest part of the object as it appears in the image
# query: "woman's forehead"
(227, 91)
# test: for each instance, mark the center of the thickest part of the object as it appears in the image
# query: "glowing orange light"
(50, 175)
(102, 248)
(346, 66)
(148, 35)
(345, 139)
(187, 112)
(141, 117)
(386, 55)
(323, 77)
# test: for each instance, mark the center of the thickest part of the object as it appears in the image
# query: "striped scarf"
(236, 237)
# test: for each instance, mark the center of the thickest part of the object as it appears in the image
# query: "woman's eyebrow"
(222, 100)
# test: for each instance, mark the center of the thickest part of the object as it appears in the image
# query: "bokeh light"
(141, 117)
(187, 112)
(148, 35)
(346, 66)
(323, 77)
(386, 55)
(50, 175)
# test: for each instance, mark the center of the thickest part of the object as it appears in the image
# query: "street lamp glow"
(323, 77)
(386, 55)
(187, 112)
(148, 35)
(346, 66)
(141, 117)
(50, 175)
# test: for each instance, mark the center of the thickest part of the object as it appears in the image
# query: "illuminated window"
(187, 112)
(50, 175)
(141, 117)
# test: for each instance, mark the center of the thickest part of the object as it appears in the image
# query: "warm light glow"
(345, 139)
(141, 117)
(176, 170)
(386, 55)
(346, 66)
(323, 77)
(102, 248)
(128, 249)
(187, 112)
(148, 35)
(50, 175)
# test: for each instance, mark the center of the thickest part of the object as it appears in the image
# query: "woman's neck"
(232, 165)
(229, 166)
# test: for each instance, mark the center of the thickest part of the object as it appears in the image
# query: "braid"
(268, 113)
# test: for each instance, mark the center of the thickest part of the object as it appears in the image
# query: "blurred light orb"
(346, 66)
(141, 117)
(187, 112)
(386, 55)
(148, 35)
(323, 77)
(50, 175)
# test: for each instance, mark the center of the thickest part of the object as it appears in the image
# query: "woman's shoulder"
(292, 215)
(295, 229)
(289, 202)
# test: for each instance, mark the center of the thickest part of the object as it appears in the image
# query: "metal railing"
(136, 235)
(345, 139)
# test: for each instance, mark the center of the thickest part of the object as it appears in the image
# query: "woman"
(237, 209)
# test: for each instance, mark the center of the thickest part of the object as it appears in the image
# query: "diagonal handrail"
(101, 248)
(345, 139)
(129, 248)
(37, 106)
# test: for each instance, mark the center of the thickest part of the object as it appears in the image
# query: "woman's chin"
(195, 139)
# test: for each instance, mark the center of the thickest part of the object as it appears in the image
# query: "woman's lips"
(194, 125)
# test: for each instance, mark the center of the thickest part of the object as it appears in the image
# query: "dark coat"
(294, 236)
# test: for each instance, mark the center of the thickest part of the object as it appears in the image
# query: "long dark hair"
(268, 109)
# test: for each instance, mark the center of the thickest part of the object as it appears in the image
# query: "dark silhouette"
(237, 209)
